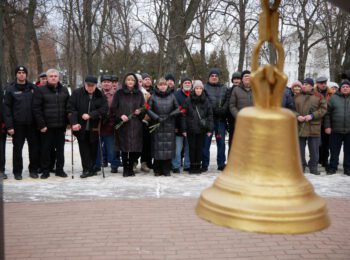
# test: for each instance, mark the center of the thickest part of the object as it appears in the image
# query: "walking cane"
(71, 141)
(100, 144)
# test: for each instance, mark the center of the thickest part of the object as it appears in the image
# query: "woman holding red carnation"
(163, 108)
(127, 105)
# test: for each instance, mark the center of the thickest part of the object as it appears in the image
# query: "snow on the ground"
(141, 186)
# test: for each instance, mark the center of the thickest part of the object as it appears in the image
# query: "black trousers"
(129, 158)
(313, 144)
(146, 155)
(31, 134)
(53, 141)
(162, 166)
(324, 148)
(336, 142)
(195, 143)
(88, 151)
(2, 150)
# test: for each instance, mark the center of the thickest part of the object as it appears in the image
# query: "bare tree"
(181, 16)
(28, 33)
(158, 26)
(302, 15)
(336, 31)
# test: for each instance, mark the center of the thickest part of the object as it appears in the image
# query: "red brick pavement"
(156, 229)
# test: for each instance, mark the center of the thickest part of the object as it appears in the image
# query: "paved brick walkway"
(156, 229)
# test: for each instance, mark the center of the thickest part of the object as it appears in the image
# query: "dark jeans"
(88, 152)
(219, 130)
(108, 144)
(53, 141)
(195, 143)
(336, 141)
(3, 151)
(146, 155)
(162, 166)
(324, 148)
(23, 132)
(313, 144)
(129, 158)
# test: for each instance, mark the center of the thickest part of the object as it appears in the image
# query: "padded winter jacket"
(338, 115)
(163, 108)
(18, 103)
(217, 95)
(50, 106)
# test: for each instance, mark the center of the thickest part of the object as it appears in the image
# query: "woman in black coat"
(128, 101)
(163, 108)
(197, 122)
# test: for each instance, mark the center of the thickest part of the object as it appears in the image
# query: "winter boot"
(144, 167)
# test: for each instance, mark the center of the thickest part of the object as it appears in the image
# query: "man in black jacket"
(217, 95)
(337, 125)
(50, 112)
(20, 123)
(87, 106)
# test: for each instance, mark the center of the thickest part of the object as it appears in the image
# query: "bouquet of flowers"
(132, 115)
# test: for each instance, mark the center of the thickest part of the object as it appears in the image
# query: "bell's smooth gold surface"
(263, 188)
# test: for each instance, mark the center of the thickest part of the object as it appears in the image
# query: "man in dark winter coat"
(87, 106)
(236, 80)
(241, 96)
(20, 123)
(217, 95)
(337, 124)
(181, 141)
(50, 108)
(322, 90)
(107, 130)
(310, 110)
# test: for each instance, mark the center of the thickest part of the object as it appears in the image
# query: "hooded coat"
(199, 115)
(163, 108)
(125, 102)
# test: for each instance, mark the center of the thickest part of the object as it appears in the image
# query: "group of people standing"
(124, 124)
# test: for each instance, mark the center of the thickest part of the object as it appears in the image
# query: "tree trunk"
(39, 62)
(28, 31)
(242, 36)
(88, 25)
(13, 61)
(180, 21)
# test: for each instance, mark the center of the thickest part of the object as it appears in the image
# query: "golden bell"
(263, 188)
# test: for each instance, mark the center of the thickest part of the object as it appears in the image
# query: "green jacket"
(310, 104)
(338, 115)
